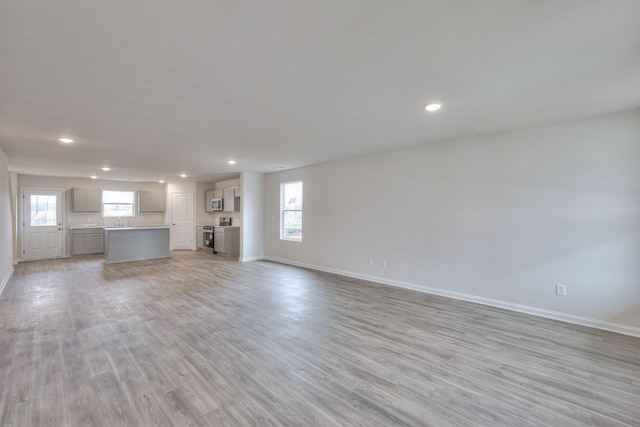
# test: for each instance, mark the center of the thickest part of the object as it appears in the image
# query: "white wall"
(75, 219)
(6, 246)
(13, 177)
(497, 219)
(252, 231)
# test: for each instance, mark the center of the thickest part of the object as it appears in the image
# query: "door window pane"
(43, 210)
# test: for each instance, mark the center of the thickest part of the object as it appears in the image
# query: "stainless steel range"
(213, 233)
(207, 239)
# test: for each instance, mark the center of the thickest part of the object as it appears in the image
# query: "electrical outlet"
(561, 289)
(383, 262)
(369, 261)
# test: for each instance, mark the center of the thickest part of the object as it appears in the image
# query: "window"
(291, 211)
(117, 203)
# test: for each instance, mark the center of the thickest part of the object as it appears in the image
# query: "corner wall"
(6, 234)
(252, 231)
(496, 219)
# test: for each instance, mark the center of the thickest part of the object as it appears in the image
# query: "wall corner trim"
(5, 280)
(535, 311)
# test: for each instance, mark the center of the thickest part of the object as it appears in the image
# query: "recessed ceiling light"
(183, 175)
(432, 107)
(94, 177)
(232, 162)
(106, 169)
(161, 182)
(66, 140)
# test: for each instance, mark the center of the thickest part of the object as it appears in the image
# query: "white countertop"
(139, 227)
(86, 227)
(112, 227)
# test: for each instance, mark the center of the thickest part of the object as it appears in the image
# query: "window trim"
(283, 211)
(133, 204)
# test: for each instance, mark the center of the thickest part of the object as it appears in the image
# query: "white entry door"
(182, 224)
(41, 224)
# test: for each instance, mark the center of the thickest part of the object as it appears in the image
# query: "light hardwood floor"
(198, 340)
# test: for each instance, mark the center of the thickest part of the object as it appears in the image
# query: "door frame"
(192, 207)
(21, 219)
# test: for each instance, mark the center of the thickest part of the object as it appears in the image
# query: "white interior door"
(42, 224)
(182, 224)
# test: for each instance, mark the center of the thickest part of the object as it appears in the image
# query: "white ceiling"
(154, 88)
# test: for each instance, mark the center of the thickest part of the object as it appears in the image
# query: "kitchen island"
(123, 244)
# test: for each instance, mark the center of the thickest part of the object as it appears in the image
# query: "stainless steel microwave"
(216, 204)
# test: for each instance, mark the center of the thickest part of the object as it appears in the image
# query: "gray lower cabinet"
(199, 237)
(87, 241)
(226, 241)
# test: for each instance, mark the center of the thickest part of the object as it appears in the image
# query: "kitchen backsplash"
(80, 219)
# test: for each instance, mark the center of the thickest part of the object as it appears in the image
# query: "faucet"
(118, 222)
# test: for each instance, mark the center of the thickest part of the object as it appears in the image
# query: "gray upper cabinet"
(208, 196)
(228, 204)
(152, 201)
(231, 199)
(86, 199)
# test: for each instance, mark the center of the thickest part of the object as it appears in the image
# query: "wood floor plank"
(198, 340)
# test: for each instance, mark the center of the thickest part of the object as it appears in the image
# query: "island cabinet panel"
(87, 241)
(86, 199)
(152, 201)
(136, 243)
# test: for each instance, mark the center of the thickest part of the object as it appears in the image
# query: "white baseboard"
(251, 258)
(535, 311)
(5, 280)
